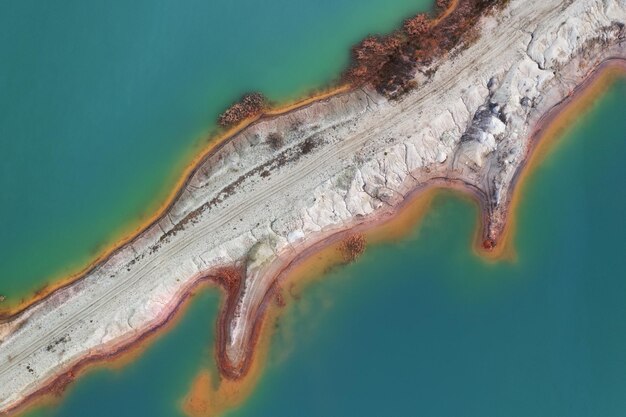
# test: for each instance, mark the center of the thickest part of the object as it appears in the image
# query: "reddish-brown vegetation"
(371, 55)
(279, 298)
(352, 247)
(228, 277)
(417, 25)
(389, 63)
(442, 5)
(250, 105)
(489, 244)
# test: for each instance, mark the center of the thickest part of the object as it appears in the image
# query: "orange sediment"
(115, 359)
(314, 263)
(446, 12)
(208, 397)
(230, 390)
(212, 395)
(317, 96)
(11, 308)
(329, 254)
(547, 136)
(206, 400)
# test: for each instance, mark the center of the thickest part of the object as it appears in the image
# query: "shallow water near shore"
(424, 327)
(103, 104)
(420, 327)
(150, 385)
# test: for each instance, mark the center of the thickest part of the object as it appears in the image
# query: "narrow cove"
(425, 327)
(433, 330)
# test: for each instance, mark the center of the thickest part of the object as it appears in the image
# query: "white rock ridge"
(345, 161)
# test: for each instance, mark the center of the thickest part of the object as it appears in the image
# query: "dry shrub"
(417, 25)
(370, 55)
(389, 63)
(307, 146)
(442, 5)
(249, 105)
(228, 277)
(275, 140)
(352, 247)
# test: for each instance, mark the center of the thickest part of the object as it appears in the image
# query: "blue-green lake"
(424, 327)
(104, 102)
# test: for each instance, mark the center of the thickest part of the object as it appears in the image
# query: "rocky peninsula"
(468, 117)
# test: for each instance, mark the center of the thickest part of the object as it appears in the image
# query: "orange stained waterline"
(229, 393)
(128, 352)
(212, 395)
(548, 136)
(446, 13)
(207, 399)
(12, 307)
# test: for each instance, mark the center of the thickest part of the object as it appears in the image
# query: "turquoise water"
(154, 384)
(103, 102)
(425, 328)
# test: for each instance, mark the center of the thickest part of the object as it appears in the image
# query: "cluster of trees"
(250, 105)
(389, 62)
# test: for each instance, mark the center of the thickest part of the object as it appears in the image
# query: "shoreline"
(546, 136)
(123, 352)
(259, 313)
(397, 225)
(331, 242)
(9, 311)
(204, 397)
(11, 308)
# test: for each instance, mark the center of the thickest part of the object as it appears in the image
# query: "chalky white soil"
(345, 161)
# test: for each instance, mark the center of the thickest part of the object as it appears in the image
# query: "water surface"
(104, 102)
(154, 384)
(425, 328)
